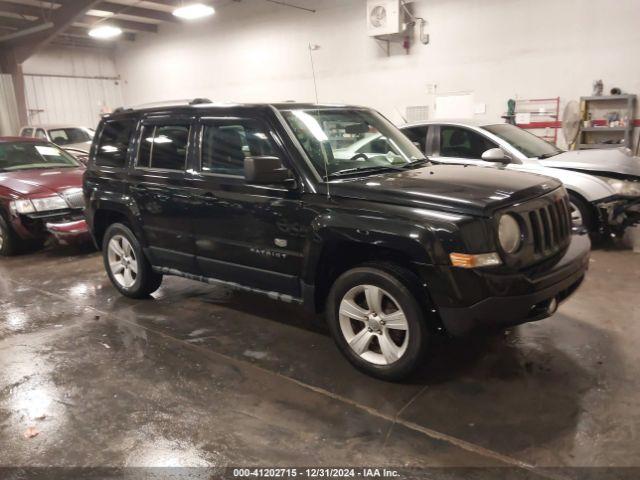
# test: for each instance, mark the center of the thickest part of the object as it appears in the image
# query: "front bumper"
(521, 298)
(66, 226)
(70, 232)
(619, 212)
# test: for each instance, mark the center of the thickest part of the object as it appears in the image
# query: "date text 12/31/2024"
(315, 473)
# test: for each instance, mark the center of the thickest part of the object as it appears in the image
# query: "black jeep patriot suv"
(292, 201)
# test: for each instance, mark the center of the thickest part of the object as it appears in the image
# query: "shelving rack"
(543, 114)
(600, 134)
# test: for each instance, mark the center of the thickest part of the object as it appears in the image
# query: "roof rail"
(199, 101)
(165, 103)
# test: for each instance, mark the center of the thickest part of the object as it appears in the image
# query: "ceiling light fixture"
(194, 11)
(105, 32)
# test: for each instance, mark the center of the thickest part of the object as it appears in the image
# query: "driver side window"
(463, 143)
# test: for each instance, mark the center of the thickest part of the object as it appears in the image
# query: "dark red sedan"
(40, 195)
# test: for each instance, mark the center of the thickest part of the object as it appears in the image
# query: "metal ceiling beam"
(115, 8)
(72, 41)
(36, 28)
(123, 24)
(12, 24)
(171, 3)
(37, 12)
(17, 23)
(62, 18)
(20, 9)
(137, 12)
(82, 32)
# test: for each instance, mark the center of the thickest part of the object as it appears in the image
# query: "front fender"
(589, 187)
(426, 237)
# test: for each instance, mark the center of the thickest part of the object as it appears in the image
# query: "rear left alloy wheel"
(377, 322)
(125, 262)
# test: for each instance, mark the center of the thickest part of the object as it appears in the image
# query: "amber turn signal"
(468, 260)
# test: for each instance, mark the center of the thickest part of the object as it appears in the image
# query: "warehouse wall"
(71, 86)
(496, 49)
(77, 61)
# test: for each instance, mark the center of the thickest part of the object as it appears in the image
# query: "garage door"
(70, 100)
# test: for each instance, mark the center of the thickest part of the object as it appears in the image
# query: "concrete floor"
(200, 376)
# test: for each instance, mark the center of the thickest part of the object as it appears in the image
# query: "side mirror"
(495, 155)
(265, 170)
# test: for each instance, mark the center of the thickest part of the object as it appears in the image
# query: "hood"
(453, 188)
(84, 146)
(615, 160)
(41, 183)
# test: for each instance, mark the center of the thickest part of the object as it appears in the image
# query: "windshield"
(525, 142)
(66, 136)
(342, 141)
(30, 155)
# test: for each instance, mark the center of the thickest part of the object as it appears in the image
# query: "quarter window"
(463, 143)
(114, 142)
(226, 143)
(164, 147)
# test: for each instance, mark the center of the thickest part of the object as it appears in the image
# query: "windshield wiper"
(548, 155)
(420, 161)
(348, 171)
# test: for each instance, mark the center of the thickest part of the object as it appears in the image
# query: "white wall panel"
(8, 107)
(498, 49)
(70, 100)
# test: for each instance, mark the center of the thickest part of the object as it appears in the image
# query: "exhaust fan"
(383, 17)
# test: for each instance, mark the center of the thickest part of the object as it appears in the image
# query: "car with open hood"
(393, 248)
(604, 200)
(40, 194)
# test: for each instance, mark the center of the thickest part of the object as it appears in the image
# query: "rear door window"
(164, 147)
(114, 143)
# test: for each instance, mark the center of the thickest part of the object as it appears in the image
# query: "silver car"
(600, 204)
(66, 136)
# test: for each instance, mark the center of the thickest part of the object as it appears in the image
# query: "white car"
(66, 136)
(600, 204)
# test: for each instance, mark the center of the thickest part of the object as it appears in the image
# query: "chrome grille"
(74, 198)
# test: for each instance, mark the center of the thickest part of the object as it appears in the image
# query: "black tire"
(589, 220)
(399, 284)
(146, 280)
(8, 239)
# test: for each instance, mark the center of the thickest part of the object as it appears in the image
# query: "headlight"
(623, 187)
(49, 203)
(21, 206)
(509, 234)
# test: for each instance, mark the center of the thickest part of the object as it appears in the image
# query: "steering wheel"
(361, 156)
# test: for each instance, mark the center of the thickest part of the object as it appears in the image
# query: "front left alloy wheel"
(377, 321)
